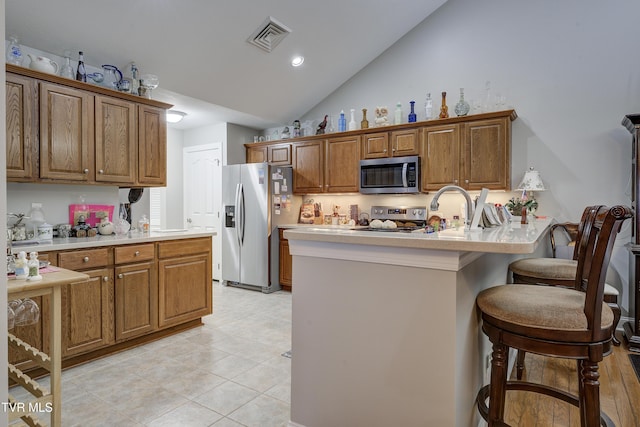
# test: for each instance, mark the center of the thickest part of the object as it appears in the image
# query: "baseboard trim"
(292, 424)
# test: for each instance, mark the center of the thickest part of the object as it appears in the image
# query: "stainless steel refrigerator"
(256, 198)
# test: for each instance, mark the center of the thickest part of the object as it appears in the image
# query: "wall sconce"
(175, 116)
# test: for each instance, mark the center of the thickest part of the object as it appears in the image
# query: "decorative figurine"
(381, 116)
(322, 125)
(364, 123)
(296, 128)
(444, 110)
(285, 133)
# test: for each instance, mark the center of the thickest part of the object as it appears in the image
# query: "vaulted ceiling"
(200, 53)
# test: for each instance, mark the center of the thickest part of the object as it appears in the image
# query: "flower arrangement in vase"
(515, 205)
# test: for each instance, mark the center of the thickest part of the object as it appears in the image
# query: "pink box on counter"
(93, 213)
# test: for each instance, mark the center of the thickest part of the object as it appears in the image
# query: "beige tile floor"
(228, 373)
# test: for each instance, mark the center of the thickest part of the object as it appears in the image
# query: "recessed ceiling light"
(297, 61)
(174, 116)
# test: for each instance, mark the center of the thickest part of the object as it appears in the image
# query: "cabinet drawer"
(182, 247)
(134, 253)
(80, 260)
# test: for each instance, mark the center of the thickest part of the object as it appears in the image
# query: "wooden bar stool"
(556, 322)
(561, 272)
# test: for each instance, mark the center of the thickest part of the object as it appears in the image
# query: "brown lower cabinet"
(135, 293)
(286, 262)
(184, 281)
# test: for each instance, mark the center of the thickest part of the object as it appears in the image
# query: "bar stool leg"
(497, 392)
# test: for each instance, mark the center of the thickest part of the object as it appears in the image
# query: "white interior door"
(202, 193)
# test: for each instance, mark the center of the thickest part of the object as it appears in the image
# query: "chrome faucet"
(434, 202)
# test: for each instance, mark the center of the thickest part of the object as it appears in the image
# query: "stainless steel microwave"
(390, 175)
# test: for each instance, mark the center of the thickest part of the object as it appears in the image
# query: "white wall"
(174, 211)
(569, 69)
(237, 136)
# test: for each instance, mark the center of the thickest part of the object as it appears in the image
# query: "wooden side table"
(45, 400)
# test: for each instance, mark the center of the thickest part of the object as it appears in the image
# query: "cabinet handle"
(384, 151)
(100, 171)
(86, 171)
(136, 253)
(105, 279)
(466, 181)
(85, 259)
(120, 276)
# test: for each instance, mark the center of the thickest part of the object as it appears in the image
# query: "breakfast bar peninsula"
(385, 330)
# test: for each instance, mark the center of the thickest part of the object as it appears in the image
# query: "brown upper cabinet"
(64, 131)
(21, 127)
(390, 144)
(473, 152)
(66, 134)
(308, 167)
(276, 154)
(473, 155)
(326, 166)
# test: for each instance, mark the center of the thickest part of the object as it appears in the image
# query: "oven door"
(390, 175)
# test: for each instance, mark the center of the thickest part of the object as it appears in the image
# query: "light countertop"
(513, 238)
(111, 240)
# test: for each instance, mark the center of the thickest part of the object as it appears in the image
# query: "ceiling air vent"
(269, 34)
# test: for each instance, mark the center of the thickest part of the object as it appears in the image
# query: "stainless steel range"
(406, 218)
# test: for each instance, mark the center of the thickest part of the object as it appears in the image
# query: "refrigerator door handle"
(242, 214)
(237, 218)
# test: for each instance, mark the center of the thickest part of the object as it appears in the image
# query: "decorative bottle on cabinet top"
(352, 123)
(81, 73)
(444, 110)
(398, 118)
(428, 108)
(364, 124)
(342, 122)
(412, 114)
(462, 107)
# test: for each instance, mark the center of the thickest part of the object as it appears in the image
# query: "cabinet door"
(184, 289)
(487, 156)
(279, 154)
(87, 313)
(375, 145)
(440, 154)
(308, 170)
(404, 143)
(136, 299)
(152, 146)
(286, 262)
(342, 165)
(66, 133)
(116, 136)
(257, 154)
(21, 122)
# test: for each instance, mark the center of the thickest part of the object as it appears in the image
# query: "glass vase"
(462, 107)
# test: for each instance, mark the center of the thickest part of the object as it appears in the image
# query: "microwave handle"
(405, 166)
